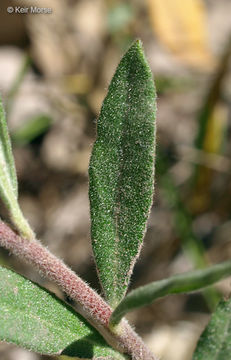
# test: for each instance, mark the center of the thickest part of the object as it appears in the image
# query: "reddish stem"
(90, 304)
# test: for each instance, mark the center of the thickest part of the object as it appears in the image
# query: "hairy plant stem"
(89, 303)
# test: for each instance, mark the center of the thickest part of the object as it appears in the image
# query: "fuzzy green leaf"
(122, 172)
(215, 341)
(35, 319)
(182, 283)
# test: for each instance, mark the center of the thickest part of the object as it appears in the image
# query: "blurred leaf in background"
(208, 162)
(181, 27)
(119, 16)
(33, 128)
(211, 137)
(121, 20)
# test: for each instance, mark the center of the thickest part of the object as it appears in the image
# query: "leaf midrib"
(129, 84)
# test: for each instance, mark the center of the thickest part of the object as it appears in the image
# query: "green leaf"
(35, 319)
(6, 157)
(8, 180)
(183, 283)
(215, 341)
(122, 172)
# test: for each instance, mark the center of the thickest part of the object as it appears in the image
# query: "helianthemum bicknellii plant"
(121, 182)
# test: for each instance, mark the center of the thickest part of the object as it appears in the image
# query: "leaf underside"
(35, 319)
(121, 172)
(215, 341)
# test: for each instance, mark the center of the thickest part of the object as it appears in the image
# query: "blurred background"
(54, 73)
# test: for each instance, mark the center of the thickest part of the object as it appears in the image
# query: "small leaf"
(35, 319)
(182, 283)
(122, 172)
(215, 341)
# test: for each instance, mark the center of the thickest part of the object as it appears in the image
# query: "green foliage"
(35, 319)
(183, 283)
(215, 341)
(121, 172)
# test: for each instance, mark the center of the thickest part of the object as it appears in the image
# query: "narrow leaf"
(183, 283)
(121, 172)
(35, 319)
(8, 180)
(215, 341)
(6, 156)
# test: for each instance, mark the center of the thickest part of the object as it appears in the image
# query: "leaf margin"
(111, 219)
